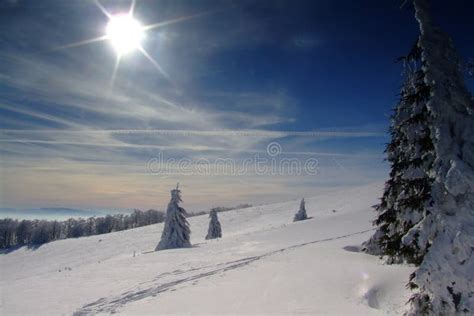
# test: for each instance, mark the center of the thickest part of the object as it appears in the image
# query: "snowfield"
(264, 264)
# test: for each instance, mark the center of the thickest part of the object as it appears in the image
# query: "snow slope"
(264, 264)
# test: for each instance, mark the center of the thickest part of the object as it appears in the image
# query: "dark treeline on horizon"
(15, 232)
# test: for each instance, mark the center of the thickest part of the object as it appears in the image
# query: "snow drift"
(265, 264)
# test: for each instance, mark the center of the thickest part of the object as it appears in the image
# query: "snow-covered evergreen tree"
(444, 282)
(411, 154)
(214, 230)
(176, 232)
(427, 212)
(301, 214)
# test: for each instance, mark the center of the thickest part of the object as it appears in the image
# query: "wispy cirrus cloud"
(226, 132)
(68, 137)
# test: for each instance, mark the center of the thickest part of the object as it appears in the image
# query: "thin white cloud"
(182, 132)
(106, 134)
(40, 115)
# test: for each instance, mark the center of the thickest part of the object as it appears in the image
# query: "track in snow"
(112, 304)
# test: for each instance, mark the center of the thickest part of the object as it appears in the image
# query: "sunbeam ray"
(173, 21)
(81, 43)
(132, 7)
(114, 72)
(154, 62)
(101, 7)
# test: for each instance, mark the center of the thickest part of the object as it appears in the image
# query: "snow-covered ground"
(264, 264)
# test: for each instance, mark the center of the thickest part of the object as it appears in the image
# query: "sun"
(125, 33)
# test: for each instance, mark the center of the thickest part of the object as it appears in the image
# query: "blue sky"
(73, 138)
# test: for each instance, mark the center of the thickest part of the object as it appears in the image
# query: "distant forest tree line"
(14, 232)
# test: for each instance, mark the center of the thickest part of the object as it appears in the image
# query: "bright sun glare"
(125, 33)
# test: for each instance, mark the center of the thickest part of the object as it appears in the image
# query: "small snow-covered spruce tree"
(411, 154)
(444, 281)
(176, 232)
(214, 230)
(301, 214)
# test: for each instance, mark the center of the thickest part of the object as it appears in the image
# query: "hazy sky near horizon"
(316, 79)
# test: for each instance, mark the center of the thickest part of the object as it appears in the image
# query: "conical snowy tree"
(301, 214)
(426, 215)
(444, 282)
(411, 154)
(176, 233)
(214, 230)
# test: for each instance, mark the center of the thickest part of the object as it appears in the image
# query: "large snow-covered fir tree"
(444, 282)
(214, 230)
(410, 153)
(429, 219)
(301, 214)
(176, 232)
